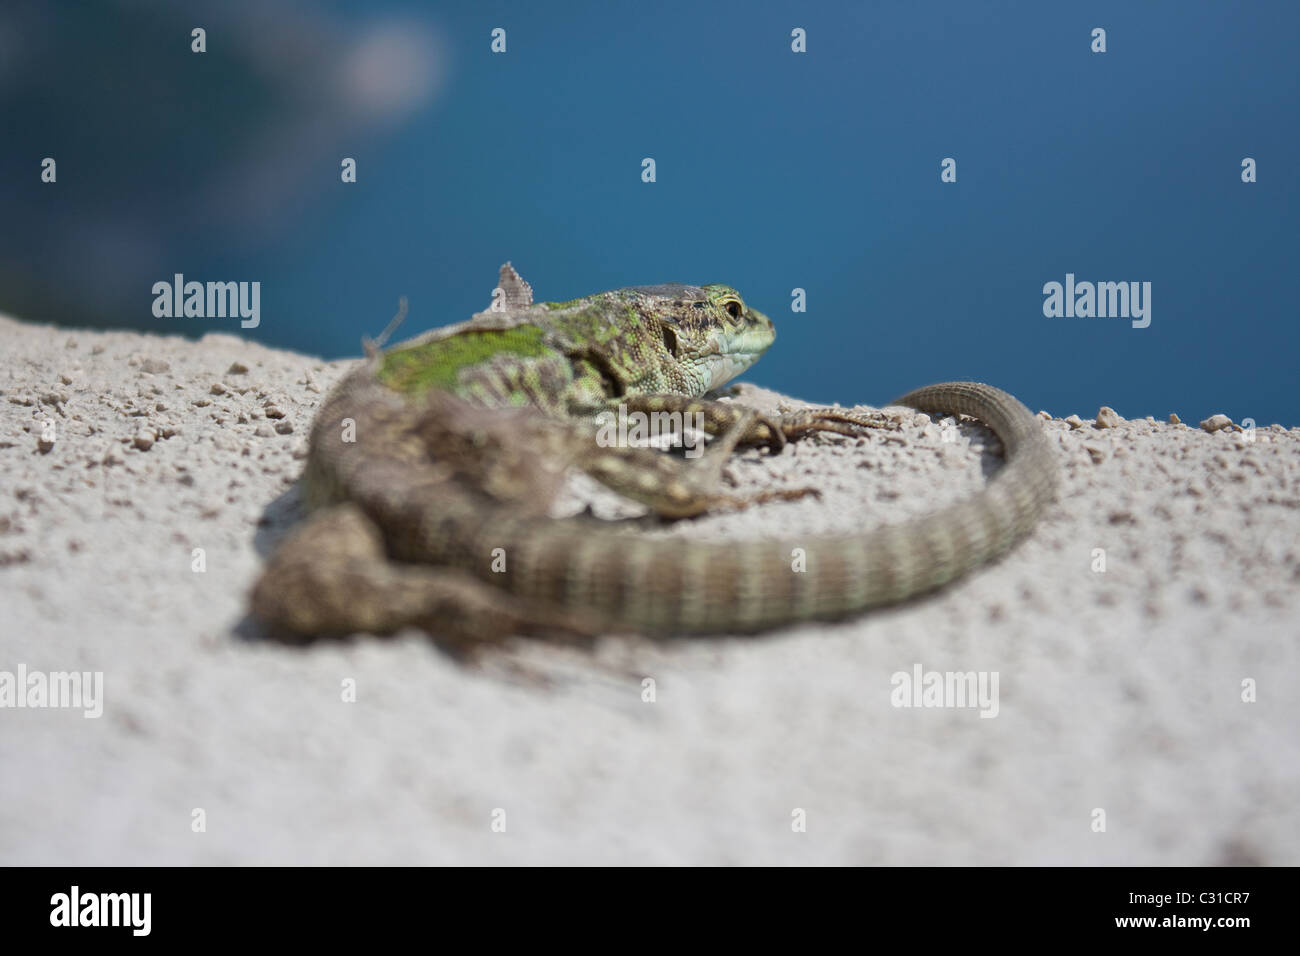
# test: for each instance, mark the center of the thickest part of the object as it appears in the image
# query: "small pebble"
(1216, 422)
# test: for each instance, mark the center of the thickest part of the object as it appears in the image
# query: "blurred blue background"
(775, 170)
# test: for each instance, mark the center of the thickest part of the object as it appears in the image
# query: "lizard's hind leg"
(334, 576)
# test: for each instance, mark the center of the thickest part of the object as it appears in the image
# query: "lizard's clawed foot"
(756, 430)
(773, 432)
(837, 421)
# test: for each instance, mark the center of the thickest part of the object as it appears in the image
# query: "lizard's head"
(708, 332)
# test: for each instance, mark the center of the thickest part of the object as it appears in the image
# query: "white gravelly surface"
(1119, 690)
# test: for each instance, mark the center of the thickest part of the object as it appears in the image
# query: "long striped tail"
(689, 587)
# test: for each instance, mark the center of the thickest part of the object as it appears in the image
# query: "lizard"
(431, 467)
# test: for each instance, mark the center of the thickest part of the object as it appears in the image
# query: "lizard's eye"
(734, 308)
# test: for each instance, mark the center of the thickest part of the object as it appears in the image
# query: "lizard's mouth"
(735, 354)
(727, 367)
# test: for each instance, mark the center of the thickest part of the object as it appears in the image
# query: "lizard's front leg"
(678, 489)
(670, 486)
(754, 428)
